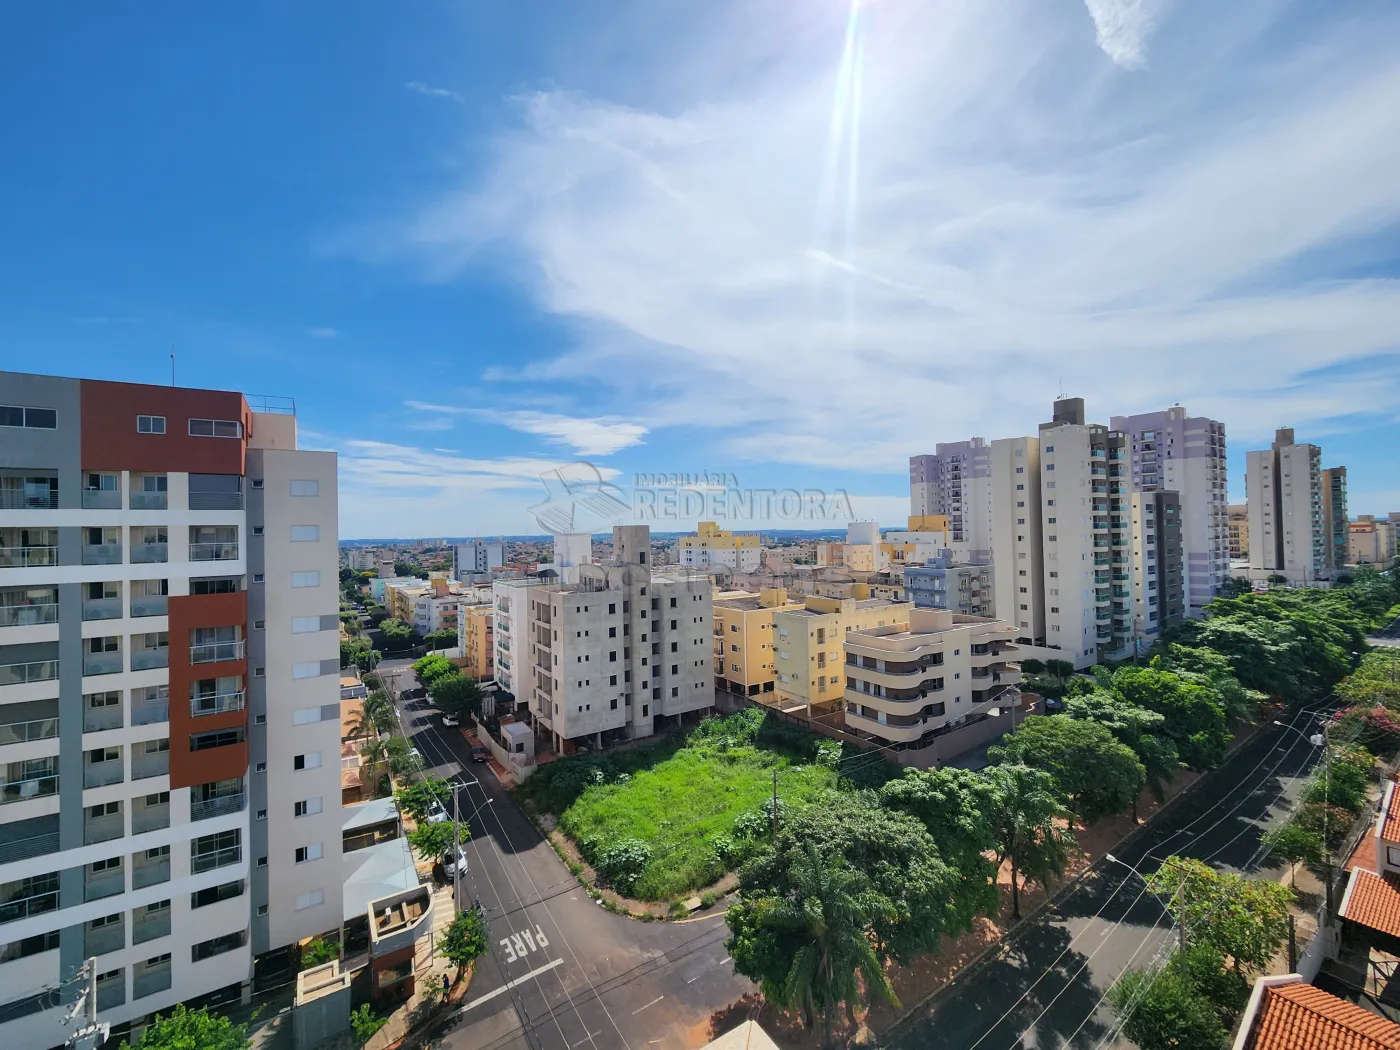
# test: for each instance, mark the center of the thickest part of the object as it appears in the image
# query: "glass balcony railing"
(213, 552)
(103, 829)
(26, 732)
(217, 859)
(28, 499)
(216, 652)
(102, 499)
(102, 554)
(216, 703)
(105, 939)
(149, 979)
(23, 849)
(25, 557)
(217, 807)
(102, 663)
(150, 818)
(98, 719)
(149, 501)
(102, 608)
(153, 765)
(145, 659)
(34, 671)
(27, 615)
(149, 553)
(24, 907)
(24, 790)
(104, 884)
(100, 774)
(150, 605)
(149, 712)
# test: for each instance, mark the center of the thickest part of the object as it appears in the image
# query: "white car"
(450, 722)
(436, 813)
(449, 862)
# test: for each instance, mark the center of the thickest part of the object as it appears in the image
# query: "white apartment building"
(510, 633)
(907, 684)
(1170, 451)
(1288, 533)
(957, 481)
(477, 556)
(618, 653)
(168, 589)
(1018, 565)
(360, 559)
(713, 547)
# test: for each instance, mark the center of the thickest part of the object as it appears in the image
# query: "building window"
(309, 853)
(310, 760)
(32, 418)
(305, 624)
(306, 488)
(306, 579)
(150, 424)
(214, 894)
(219, 428)
(310, 899)
(306, 533)
(306, 806)
(306, 715)
(307, 669)
(217, 738)
(218, 945)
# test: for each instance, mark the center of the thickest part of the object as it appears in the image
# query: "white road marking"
(585, 1039)
(507, 987)
(652, 1003)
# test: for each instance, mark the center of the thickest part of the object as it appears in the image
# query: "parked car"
(450, 722)
(478, 753)
(436, 813)
(450, 862)
(1053, 706)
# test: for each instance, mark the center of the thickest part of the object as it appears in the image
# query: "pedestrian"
(445, 984)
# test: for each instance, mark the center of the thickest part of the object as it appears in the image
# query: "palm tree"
(1023, 811)
(824, 910)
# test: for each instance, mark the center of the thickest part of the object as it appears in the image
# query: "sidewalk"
(429, 968)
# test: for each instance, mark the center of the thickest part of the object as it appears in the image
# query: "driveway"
(562, 972)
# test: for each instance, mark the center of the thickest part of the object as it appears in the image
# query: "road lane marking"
(507, 987)
(652, 1003)
(585, 1039)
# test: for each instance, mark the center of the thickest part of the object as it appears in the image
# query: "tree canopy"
(1022, 817)
(184, 1029)
(1093, 771)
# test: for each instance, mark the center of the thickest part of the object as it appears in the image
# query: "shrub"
(316, 951)
(364, 1023)
(622, 864)
(708, 898)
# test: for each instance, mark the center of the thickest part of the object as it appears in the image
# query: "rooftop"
(375, 872)
(1373, 900)
(1297, 1016)
(1390, 817)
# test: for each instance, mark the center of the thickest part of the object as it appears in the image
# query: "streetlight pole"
(1319, 739)
(1180, 897)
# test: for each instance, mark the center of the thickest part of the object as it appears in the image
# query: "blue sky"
(790, 242)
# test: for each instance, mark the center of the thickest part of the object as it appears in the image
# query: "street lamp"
(1181, 928)
(1319, 739)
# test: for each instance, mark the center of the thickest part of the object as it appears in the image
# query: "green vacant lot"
(680, 798)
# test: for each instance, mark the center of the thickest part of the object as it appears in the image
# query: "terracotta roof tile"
(1301, 1017)
(1375, 902)
(1390, 829)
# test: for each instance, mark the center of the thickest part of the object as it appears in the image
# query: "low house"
(396, 924)
(1286, 1013)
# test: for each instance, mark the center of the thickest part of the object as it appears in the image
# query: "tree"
(1060, 669)
(465, 939)
(456, 695)
(402, 760)
(1033, 666)
(1022, 819)
(1192, 707)
(380, 710)
(1235, 586)
(428, 669)
(368, 660)
(408, 568)
(1296, 844)
(444, 639)
(1164, 1011)
(364, 1023)
(1245, 920)
(184, 1029)
(822, 930)
(435, 840)
(1095, 773)
(397, 635)
(417, 798)
(1135, 726)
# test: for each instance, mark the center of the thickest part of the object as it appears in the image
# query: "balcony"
(103, 829)
(217, 807)
(111, 993)
(102, 608)
(27, 732)
(143, 767)
(152, 924)
(146, 659)
(149, 818)
(213, 552)
(216, 501)
(150, 501)
(102, 554)
(216, 703)
(216, 652)
(40, 786)
(149, 871)
(219, 858)
(97, 885)
(98, 719)
(102, 499)
(149, 553)
(36, 904)
(150, 712)
(102, 663)
(34, 671)
(23, 849)
(26, 557)
(149, 978)
(100, 774)
(31, 497)
(149, 604)
(104, 939)
(28, 615)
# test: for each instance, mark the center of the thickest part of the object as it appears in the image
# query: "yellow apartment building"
(713, 546)
(743, 644)
(477, 640)
(809, 663)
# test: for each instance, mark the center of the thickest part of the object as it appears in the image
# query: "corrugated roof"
(1301, 1017)
(1374, 901)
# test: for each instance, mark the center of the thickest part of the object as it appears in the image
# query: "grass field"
(682, 804)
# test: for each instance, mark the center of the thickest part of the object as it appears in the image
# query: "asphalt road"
(563, 973)
(1045, 987)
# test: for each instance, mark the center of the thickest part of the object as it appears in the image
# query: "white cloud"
(323, 333)
(599, 436)
(982, 217)
(437, 92)
(1123, 26)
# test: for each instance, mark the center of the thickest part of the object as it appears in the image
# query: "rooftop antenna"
(172, 364)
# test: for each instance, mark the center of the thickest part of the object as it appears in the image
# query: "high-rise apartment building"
(1289, 534)
(1334, 517)
(1018, 555)
(1371, 541)
(712, 546)
(956, 481)
(477, 556)
(940, 584)
(618, 653)
(1169, 451)
(360, 559)
(169, 695)
(1239, 530)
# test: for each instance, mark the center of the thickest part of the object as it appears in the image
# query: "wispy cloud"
(987, 218)
(323, 333)
(107, 320)
(597, 436)
(436, 92)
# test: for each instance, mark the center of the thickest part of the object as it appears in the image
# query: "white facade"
(1073, 469)
(1018, 572)
(361, 559)
(957, 481)
(477, 556)
(511, 635)
(1287, 536)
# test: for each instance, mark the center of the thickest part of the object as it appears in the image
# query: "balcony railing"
(102, 499)
(100, 774)
(34, 671)
(24, 790)
(216, 652)
(102, 663)
(27, 615)
(26, 732)
(150, 712)
(216, 703)
(103, 829)
(217, 859)
(149, 553)
(150, 501)
(105, 939)
(150, 818)
(112, 994)
(38, 904)
(146, 872)
(10, 499)
(102, 554)
(104, 884)
(217, 807)
(144, 767)
(150, 928)
(151, 980)
(102, 608)
(23, 849)
(23, 557)
(213, 552)
(145, 659)
(216, 501)
(97, 719)
(150, 605)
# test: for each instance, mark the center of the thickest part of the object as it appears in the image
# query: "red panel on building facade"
(112, 442)
(188, 768)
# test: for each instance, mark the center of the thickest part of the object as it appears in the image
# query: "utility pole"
(92, 1033)
(773, 812)
(456, 849)
(1181, 911)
